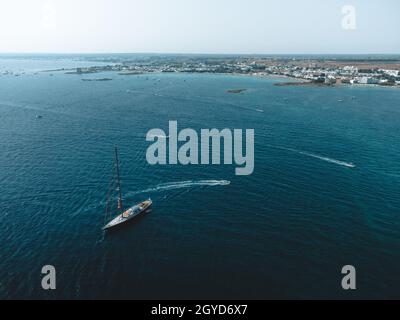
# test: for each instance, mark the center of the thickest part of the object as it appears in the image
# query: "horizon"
(200, 54)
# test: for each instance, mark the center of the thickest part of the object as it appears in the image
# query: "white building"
(368, 80)
(392, 73)
(350, 69)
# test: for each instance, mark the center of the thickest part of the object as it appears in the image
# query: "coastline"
(293, 81)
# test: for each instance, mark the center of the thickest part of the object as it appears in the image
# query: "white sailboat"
(124, 215)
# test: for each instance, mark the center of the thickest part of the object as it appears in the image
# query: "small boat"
(123, 215)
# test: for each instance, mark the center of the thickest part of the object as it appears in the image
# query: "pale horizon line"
(194, 53)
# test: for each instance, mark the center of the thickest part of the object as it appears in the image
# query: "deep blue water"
(283, 232)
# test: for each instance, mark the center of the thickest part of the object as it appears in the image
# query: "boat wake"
(181, 185)
(320, 157)
(338, 162)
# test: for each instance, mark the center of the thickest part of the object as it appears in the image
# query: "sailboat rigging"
(118, 180)
(123, 216)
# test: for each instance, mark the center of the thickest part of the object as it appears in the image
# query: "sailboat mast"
(118, 181)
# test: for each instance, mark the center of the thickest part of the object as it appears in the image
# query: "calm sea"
(284, 232)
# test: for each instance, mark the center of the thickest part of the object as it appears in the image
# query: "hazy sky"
(198, 26)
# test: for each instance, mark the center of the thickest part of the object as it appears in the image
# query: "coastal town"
(318, 70)
(363, 71)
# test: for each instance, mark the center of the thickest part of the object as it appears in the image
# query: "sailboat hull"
(129, 214)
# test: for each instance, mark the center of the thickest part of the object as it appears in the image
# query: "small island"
(101, 79)
(236, 90)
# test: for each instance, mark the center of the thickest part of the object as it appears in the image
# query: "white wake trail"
(320, 157)
(181, 185)
(341, 163)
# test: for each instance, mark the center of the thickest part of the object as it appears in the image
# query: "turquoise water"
(283, 232)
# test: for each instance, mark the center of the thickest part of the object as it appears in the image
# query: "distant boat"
(124, 215)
